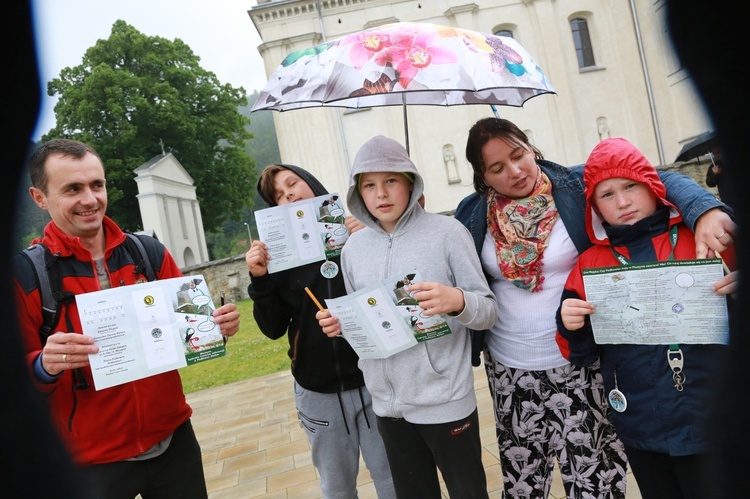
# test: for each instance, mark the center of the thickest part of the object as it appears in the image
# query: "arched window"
(585, 53)
(504, 32)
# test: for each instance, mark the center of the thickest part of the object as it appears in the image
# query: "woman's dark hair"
(64, 147)
(481, 133)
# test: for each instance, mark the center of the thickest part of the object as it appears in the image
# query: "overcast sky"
(220, 32)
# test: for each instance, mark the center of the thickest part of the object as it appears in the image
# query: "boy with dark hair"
(334, 407)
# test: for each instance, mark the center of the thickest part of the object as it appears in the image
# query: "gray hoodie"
(432, 382)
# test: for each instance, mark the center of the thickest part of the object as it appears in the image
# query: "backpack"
(50, 280)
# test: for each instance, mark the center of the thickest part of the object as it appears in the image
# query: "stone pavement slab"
(253, 445)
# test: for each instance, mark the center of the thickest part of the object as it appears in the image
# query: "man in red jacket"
(130, 439)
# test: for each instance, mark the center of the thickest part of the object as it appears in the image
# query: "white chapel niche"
(169, 208)
(451, 167)
(602, 127)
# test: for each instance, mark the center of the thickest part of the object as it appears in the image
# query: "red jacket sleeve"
(577, 346)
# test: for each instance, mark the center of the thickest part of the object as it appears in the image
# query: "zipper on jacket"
(387, 265)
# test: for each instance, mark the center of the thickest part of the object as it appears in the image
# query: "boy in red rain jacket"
(659, 413)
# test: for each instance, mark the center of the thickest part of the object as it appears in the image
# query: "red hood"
(619, 158)
(59, 242)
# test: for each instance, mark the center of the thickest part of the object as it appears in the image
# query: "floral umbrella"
(406, 63)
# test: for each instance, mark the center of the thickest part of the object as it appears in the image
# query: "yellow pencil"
(314, 299)
(723, 263)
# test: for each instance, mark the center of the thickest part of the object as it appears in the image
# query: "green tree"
(232, 238)
(135, 96)
(28, 219)
(265, 146)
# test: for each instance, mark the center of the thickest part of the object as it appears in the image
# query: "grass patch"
(249, 354)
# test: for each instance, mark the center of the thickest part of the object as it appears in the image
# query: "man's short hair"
(64, 147)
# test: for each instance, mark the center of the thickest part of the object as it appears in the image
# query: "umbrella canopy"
(406, 63)
(698, 146)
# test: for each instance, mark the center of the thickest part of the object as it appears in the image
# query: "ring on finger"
(721, 235)
(65, 357)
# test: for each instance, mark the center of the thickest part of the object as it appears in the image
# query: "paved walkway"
(253, 445)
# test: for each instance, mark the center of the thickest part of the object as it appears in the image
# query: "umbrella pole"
(406, 123)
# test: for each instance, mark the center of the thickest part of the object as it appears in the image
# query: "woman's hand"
(729, 284)
(714, 232)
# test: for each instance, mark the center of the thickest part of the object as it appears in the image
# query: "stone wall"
(695, 169)
(231, 275)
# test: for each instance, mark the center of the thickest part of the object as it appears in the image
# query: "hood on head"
(380, 154)
(308, 177)
(619, 158)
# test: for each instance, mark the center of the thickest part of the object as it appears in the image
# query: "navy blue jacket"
(658, 418)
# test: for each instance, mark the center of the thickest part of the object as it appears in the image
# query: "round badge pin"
(329, 269)
(617, 400)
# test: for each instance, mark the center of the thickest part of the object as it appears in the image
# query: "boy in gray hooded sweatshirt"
(424, 396)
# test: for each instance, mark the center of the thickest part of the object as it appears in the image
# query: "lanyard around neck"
(674, 353)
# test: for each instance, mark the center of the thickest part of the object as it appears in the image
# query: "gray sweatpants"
(337, 429)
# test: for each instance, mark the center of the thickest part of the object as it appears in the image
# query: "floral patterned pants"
(562, 414)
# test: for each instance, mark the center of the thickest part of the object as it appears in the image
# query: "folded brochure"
(384, 319)
(302, 232)
(149, 328)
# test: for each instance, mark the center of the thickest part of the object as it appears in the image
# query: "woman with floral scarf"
(527, 221)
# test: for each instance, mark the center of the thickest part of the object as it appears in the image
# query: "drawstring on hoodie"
(343, 413)
(362, 399)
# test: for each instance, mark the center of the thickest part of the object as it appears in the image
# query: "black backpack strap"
(138, 254)
(50, 286)
(38, 255)
(49, 277)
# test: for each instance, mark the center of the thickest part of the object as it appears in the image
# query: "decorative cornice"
(380, 22)
(287, 9)
(289, 42)
(460, 9)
